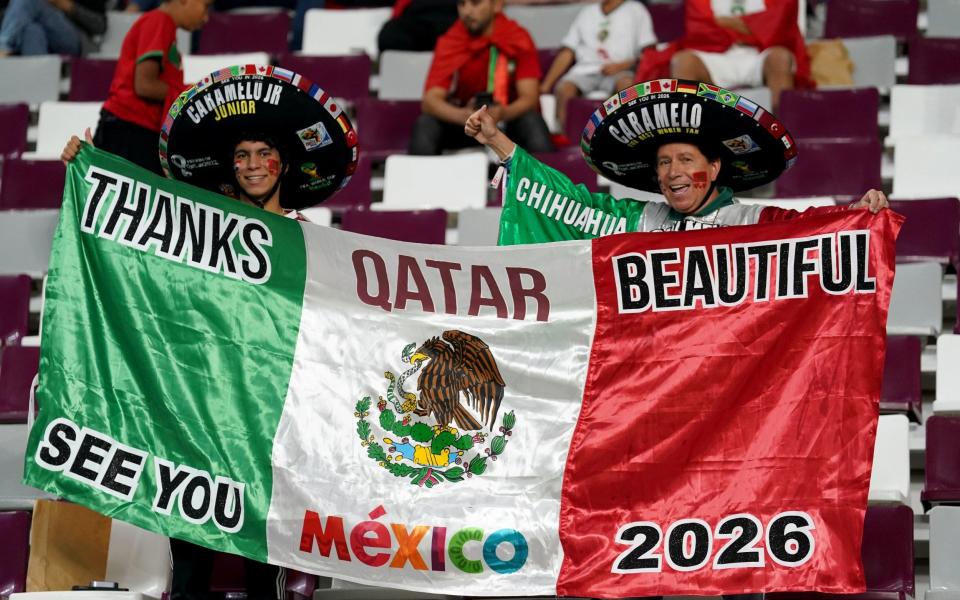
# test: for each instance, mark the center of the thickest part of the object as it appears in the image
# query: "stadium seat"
(346, 31)
(547, 24)
(348, 76)
(384, 126)
(25, 237)
(30, 184)
(874, 60)
(548, 109)
(403, 74)
(18, 366)
(228, 578)
(934, 60)
(860, 18)
(90, 79)
(943, 20)
(139, 560)
(421, 226)
(14, 120)
(890, 478)
(800, 204)
(58, 121)
(948, 375)
(944, 560)
(318, 215)
(570, 162)
(919, 110)
(450, 182)
(818, 173)
(916, 307)
(942, 460)
(546, 57)
(900, 391)
(667, 20)
(196, 67)
(30, 79)
(578, 113)
(14, 309)
(925, 167)
(118, 24)
(228, 32)
(931, 231)
(13, 494)
(357, 192)
(830, 113)
(15, 532)
(478, 227)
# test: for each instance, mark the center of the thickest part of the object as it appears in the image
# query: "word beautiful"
(234, 99)
(372, 543)
(101, 462)
(133, 214)
(661, 118)
(731, 274)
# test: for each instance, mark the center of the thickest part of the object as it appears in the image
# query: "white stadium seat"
(451, 182)
(13, 494)
(873, 59)
(478, 226)
(944, 559)
(922, 110)
(916, 307)
(25, 239)
(402, 74)
(890, 479)
(196, 67)
(948, 374)
(348, 31)
(943, 20)
(800, 204)
(926, 167)
(118, 24)
(58, 121)
(547, 24)
(318, 215)
(30, 79)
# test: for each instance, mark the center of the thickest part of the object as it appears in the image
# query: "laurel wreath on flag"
(438, 439)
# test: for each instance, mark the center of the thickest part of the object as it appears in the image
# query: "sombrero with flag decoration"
(621, 138)
(316, 138)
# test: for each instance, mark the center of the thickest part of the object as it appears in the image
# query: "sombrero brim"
(622, 136)
(318, 139)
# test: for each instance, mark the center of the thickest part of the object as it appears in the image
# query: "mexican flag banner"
(636, 415)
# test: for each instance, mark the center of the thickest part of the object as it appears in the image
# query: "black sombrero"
(621, 138)
(316, 137)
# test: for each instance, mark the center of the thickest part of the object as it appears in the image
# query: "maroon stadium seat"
(357, 192)
(934, 60)
(862, 18)
(14, 120)
(32, 184)
(245, 32)
(546, 56)
(578, 113)
(570, 162)
(18, 366)
(667, 19)
(15, 532)
(384, 126)
(817, 172)
(900, 391)
(422, 226)
(14, 309)
(931, 231)
(348, 77)
(90, 79)
(227, 577)
(830, 113)
(942, 468)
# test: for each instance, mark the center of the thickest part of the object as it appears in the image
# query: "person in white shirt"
(602, 46)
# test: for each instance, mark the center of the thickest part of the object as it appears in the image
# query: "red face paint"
(700, 180)
(273, 166)
(237, 165)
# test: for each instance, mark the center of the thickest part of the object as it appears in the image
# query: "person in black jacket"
(31, 27)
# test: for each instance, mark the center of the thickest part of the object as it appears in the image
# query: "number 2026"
(689, 543)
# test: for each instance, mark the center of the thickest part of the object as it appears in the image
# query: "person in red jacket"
(484, 58)
(736, 44)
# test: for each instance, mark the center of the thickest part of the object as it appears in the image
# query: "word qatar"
(731, 274)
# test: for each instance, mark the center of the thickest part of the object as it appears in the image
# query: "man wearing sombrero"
(694, 143)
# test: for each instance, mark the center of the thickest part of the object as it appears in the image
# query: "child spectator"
(33, 27)
(148, 79)
(602, 45)
(483, 59)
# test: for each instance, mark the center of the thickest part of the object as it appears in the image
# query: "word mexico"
(105, 464)
(132, 213)
(756, 271)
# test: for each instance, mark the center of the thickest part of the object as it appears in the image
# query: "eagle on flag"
(458, 363)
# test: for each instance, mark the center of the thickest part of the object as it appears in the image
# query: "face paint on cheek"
(273, 166)
(700, 180)
(237, 165)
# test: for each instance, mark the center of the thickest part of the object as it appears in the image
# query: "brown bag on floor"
(68, 546)
(830, 63)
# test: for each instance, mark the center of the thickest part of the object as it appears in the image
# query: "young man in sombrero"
(692, 143)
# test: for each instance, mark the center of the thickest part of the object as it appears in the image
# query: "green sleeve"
(541, 204)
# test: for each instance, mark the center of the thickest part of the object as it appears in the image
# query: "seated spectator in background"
(32, 27)
(416, 24)
(484, 59)
(147, 81)
(736, 44)
(602, 45)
